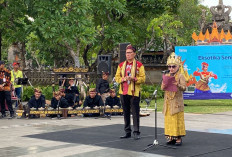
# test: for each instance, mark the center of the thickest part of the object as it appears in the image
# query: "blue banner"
(208, 71)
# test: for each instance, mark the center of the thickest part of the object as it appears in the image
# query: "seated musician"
(72, 93)
(62, 92)
(37, 100)
(113, 100)
(93, 99)
(59, 100)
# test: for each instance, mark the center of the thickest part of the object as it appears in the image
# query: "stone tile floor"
(14, 143)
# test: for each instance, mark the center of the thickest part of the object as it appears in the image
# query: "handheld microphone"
(165, 71)
(128, 73)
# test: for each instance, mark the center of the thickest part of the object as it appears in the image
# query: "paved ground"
(14, 143)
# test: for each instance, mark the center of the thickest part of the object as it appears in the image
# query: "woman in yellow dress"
(173, 109)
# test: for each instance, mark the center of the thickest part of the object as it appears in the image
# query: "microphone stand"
(155, 142)
(58, 114)
(104, 110)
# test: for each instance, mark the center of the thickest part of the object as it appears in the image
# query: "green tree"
(189, 13)
(83, 29)
(12, 20)
(141, 13)
(15, 21)
(66, 23)
(166, 27)
(110, 27)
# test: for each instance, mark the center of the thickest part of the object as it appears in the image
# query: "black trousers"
(131, 104)
(6, 96)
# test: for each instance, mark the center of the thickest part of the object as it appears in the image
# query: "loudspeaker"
(104, 64)
(122, 51)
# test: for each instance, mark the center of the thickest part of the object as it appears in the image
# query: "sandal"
(170, 140)
(178, 143)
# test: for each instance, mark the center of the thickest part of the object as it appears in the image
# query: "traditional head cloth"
(112, 90)
(15, 63)
(61, 90)
(92, 90)
(37, 90)
(57, 93)
(71, 78)
(131, 47)
(105, 73)
(205, 64)
(173, 59)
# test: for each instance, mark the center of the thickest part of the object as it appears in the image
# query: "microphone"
(128, 73)
(165, 71)
(155, 92)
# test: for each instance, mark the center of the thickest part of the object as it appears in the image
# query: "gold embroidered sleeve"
(182, 83)
(118, 77)
(141, 76)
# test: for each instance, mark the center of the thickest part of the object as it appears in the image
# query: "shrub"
(148, 90)
(28, 91)
(47, 91)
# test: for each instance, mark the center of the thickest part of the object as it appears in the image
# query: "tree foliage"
(167, 28)
(82, 29)
(190, 23)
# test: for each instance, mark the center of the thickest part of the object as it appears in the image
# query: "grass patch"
(197, 106)
(160, 103)
(208, 106)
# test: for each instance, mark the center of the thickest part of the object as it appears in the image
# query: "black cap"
(2, 62)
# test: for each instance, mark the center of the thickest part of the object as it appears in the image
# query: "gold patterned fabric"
(175, 99)
(203, 86)
(5, 73)
(140, 76)
(133, 74)
(173, 108)
(174, 124)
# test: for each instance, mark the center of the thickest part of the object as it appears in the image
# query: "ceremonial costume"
(112, 101)
(63, 103)
(70, 95)
(129, 90)
(92, 102)
(136, 70)
(173, 109)
(202, 85)
(5, 91)
(37, 103)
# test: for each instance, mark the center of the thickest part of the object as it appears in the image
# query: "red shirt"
(126, 83)
(126, 87)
